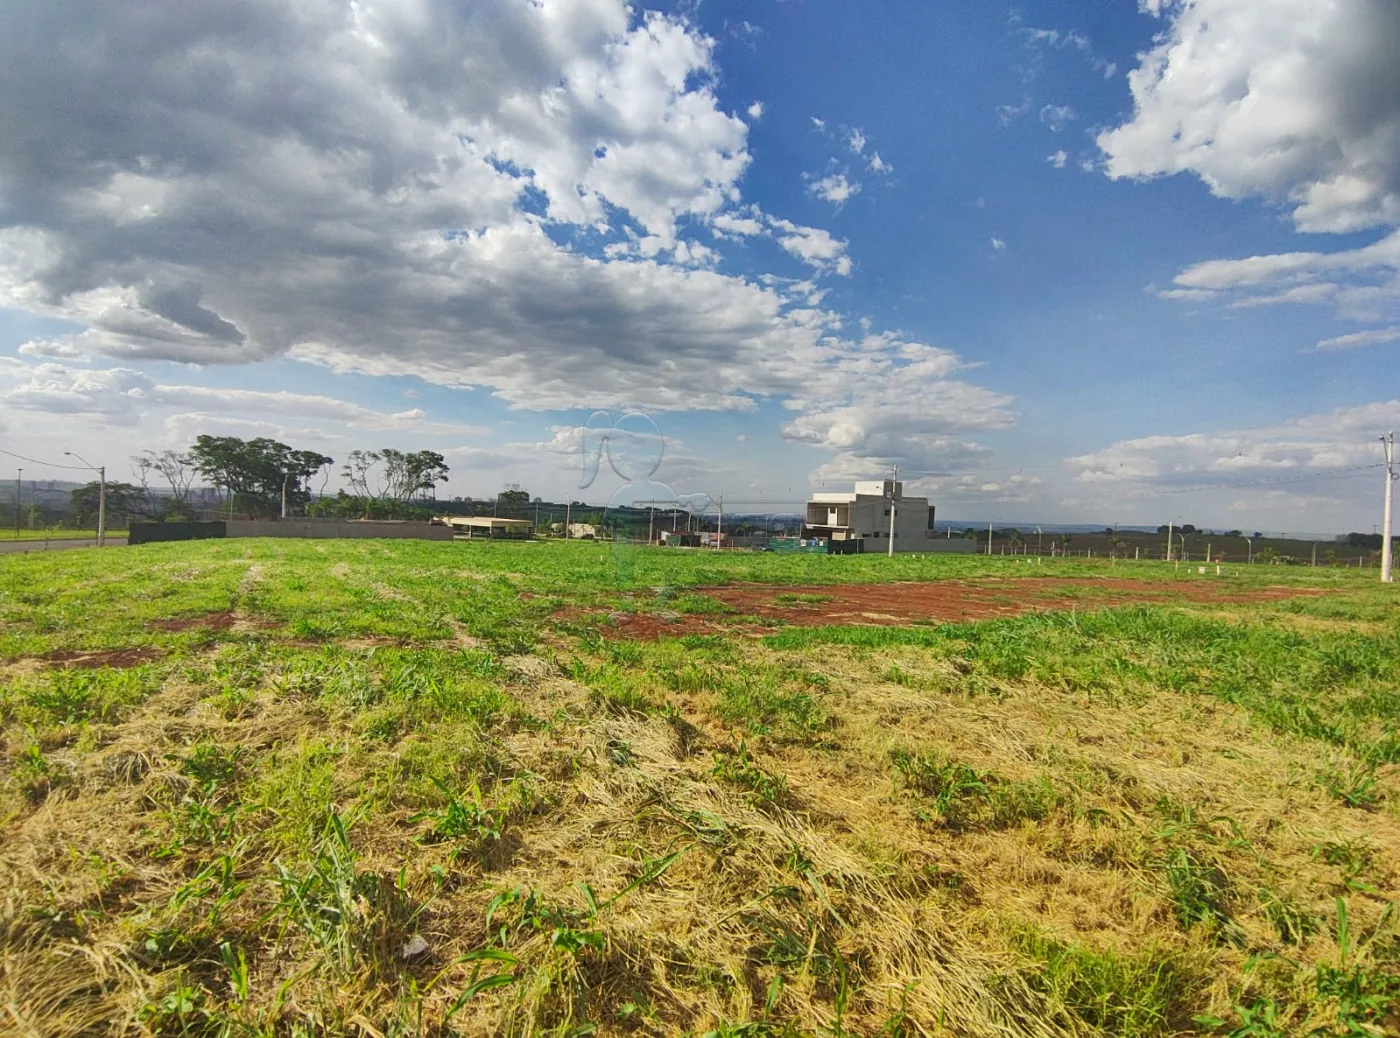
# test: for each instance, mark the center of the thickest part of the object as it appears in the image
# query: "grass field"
(395, 788)
(55, 535)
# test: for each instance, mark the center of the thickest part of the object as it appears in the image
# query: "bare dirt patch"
(911, 602)
(220, 621)
(117, 659)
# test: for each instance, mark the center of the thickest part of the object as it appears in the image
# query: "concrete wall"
(151, 533)
(337, 528)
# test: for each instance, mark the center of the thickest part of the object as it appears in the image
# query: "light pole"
(285, 477)
(19, 486)
(1388, 443)
(101, 471)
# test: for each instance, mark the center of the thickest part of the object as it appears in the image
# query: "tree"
(513, 496)
(401, 477)
(1063, 541)
(255, 473)
(1234, 533)
(125, 502)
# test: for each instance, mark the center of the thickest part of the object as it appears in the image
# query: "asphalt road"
(15, 547)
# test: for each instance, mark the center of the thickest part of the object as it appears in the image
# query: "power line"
(50, 464)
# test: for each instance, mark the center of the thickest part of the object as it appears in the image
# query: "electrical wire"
(50, 464)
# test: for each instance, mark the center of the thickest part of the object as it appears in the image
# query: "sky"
(1065, 262)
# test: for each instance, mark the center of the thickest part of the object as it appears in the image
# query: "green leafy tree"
(394, 475)
(125, 502)
(255, 472)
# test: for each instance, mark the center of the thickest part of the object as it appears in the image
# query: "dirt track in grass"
(938, 601)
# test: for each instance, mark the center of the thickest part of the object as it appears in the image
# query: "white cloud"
(1363, 283)
(813, 246)
(1057, 159)
(835, 188)
(998, 244)
(894, 401)
(755, 111)
(1369, 337)
(1060, 39)
(1007, 114)
(122, 396)
(1057, 117)
(879, 165)
(1306, 445)
(380, 188)
(1291, 100)
(819, 124)
(856, 140)
(741, 226)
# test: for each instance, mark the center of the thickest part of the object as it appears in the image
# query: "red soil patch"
(212, 621)
(904, 603)
(118, 659)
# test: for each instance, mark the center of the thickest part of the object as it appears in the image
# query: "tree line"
(264, 478)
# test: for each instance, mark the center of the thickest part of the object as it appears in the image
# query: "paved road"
(14, 547)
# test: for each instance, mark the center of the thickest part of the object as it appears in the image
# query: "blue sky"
(1063, 262)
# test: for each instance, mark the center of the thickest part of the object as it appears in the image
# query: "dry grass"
(408, 803)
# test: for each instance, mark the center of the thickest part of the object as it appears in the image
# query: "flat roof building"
(859, 520)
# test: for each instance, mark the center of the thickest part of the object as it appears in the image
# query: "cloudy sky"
(1058, 261)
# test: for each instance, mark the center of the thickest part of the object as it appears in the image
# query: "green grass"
(12, 534)
(429, 788)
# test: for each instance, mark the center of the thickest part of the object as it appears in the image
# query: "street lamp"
(101, 471)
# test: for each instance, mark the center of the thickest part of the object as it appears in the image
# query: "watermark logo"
(643, 510)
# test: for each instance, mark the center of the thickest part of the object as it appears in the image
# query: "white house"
(860, 520)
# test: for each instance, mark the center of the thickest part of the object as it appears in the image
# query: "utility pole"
(989, 538)
(719, 523)
(101, 471)
(19, 484)
(285, 477)
(651, 519)
(1169, 540)
(893, 481)
(1388, 442)
(568, 518)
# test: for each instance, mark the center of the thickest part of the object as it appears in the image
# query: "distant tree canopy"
(1371, 541)
(513, 496)
(124, 502)
(394, 475)
(254, 472)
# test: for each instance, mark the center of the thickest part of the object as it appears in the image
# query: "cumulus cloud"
(856, 140)
(1057, 159)
(835, 188)
(894, 400)
(998, 244)
(381, 188)
(755, 111)
(813, 246)
(1290, 100)
(879, 165)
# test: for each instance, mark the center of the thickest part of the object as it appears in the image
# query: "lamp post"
(101, 471)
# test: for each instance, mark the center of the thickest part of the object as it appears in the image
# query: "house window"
(887, 511)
